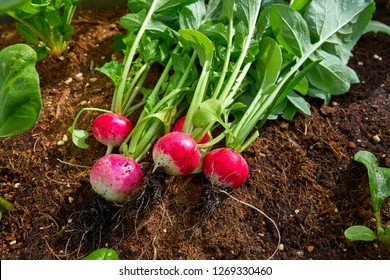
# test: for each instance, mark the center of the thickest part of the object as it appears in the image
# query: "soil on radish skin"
(302, 174)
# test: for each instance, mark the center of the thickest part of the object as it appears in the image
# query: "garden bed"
(302, 174)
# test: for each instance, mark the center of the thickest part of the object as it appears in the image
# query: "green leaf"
(203, 45)
(5, 205)
(6, 5)
(103, 254)
(299, 5)
(299, 102)
(268, 63)
(377, 26)
(79, 136)
(379, 178)
(331, 75)
(208, 112)
(338, 25)
(290, 29)
(384, 238)
(359, 233)
(20, 97)
(113, 70)
(191, 16)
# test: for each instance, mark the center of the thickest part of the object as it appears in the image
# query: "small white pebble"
(360, 63)
(376, 138)
(64, 137)
(70, 199)
(68, 81)
(377, 57)
(70, 221)
(336, 210)
(300, 253)
(281, 247)
(79, 76)
(93, 80)
(296, 211)
(13, 242)
(84, 102)
(164, 230)
(60, 143)
(16, 185)
(335, 103)
(359, 140)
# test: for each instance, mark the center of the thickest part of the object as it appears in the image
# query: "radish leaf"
(20, 97)
(359, 233)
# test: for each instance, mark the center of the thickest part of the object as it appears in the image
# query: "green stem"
(119, 91)
(227, 61)
(135, 86)
(198, 96)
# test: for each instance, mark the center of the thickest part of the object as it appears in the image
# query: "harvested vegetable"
(115, 177)
(177, 153)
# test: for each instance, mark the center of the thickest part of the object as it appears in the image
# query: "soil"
(302, 173)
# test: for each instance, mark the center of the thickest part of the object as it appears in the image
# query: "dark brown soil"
(302, 174)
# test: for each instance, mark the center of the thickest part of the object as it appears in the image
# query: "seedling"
(46, 25)
(379, 183)
(103, 254)
(5, 206)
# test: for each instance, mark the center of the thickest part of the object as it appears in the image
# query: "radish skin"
(224, 167)
(177, 153)
(178, 126)
(115, 177)
(111, 130)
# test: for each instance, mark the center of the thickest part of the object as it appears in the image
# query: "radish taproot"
(111, 130)
(177, 153)
(178, 126)
(115, 177)
(224, 167)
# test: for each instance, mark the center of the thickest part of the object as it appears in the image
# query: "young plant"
(20, 97)
(5, 206)
(103, 254)
(46, 24)
(379, 183)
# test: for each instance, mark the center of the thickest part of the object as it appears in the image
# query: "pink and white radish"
(115, 177)
(224, 167)
(178, 126)
(177, 153)
(111, 130)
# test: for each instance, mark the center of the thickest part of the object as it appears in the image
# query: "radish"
(111, 130)
(178, 126)
(225, 167)
(177, 153)
(115, 177)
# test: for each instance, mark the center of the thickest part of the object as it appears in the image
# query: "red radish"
(111, 130)
(178, 126)
(115, 177)
(225, 167)
(177, 153)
